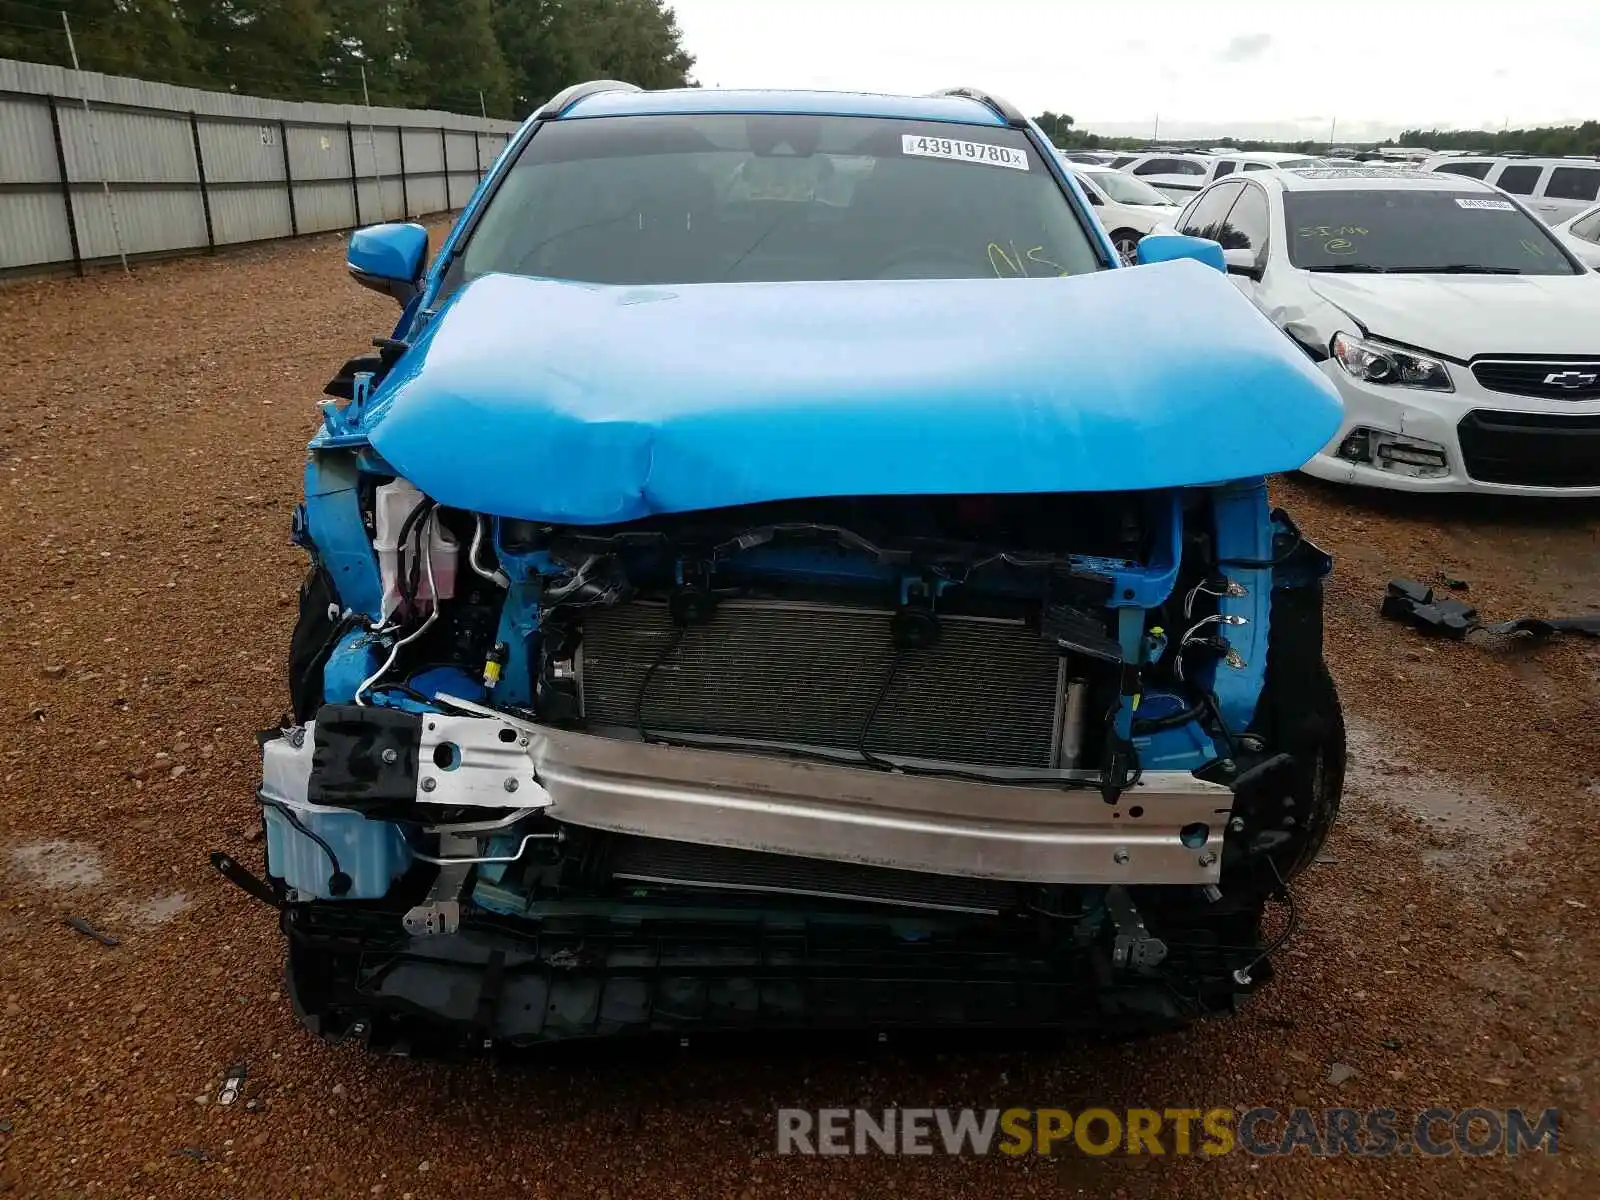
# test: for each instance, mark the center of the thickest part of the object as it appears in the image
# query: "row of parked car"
(1458, 318)
(1562, 192)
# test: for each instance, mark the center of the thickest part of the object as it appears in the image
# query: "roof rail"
(568, 96)
(1008, 111)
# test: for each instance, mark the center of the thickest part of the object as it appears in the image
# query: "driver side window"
(1205, 216)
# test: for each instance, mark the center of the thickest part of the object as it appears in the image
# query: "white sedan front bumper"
(1492, 442)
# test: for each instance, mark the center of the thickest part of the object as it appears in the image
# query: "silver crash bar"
(1167, 829)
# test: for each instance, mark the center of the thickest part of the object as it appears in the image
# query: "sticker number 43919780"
(978, 152)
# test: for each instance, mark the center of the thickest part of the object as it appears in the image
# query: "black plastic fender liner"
(316, 632)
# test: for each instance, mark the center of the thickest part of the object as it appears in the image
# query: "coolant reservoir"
(394, 502)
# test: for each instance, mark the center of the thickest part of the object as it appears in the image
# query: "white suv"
(1554, 188)
(1180, 176)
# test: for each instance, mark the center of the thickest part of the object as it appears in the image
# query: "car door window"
(1095, 196)
(1169, 166)
(1476, 170)
(1573, 183)
(1519, 180)
(1204, 218)
(1589, 228)
(1225, 167)
(1247, 223)
(1258, 166)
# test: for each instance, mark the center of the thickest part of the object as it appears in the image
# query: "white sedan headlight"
(1375, 362)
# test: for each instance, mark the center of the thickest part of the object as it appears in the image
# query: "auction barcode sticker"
(978, 152)
(1495, 205)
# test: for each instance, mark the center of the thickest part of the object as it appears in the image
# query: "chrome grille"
(985, 693)
(1551, 380)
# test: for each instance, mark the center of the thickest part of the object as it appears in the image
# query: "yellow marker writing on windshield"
(998, 251)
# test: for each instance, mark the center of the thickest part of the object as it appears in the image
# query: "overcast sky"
(1284, 69)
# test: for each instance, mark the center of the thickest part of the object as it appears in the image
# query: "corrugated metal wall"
(260, 168)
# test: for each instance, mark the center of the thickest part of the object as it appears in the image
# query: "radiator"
(987, 692)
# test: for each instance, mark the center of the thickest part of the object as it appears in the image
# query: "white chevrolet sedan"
(1462, 334)
(1127, 206)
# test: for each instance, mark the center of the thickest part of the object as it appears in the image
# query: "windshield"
(772, 198)
(1416, 231)
(1126, 189)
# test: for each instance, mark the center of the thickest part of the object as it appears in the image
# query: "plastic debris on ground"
(1416, 604)
(88, 930)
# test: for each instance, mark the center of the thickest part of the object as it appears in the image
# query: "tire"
(1299, 714)
(1126, 242)
(1313, 710)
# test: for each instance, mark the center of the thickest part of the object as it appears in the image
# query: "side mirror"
(1243, 262)
(1164, 247)
(389, 259)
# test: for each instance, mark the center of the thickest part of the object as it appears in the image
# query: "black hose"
(338, 883)
(666, 652)
(867, 756)
(1283, 893)
(1144, 725)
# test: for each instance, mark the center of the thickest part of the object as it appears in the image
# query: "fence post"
(477, 151)
(355, 182)
(288, 178)
(405, 197)
(444, 163)
(66, 186)
(200, 170)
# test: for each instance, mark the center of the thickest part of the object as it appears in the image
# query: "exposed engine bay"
(1027, 749)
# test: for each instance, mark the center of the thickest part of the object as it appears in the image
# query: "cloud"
(1245, 47)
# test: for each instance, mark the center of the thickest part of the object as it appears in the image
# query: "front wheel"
(1126, 242)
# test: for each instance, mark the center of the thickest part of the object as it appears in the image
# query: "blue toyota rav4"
(781, 571)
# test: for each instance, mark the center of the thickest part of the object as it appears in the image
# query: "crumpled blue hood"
(583, 404)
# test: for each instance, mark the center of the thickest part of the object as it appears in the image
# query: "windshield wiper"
(1351, 268)
(1456, 269)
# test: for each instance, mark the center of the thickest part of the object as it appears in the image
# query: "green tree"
(455, 57)
(118, 37)
(370, 36)
(549, 44)
(265, 47)
(1057, 127)
(1549, 140)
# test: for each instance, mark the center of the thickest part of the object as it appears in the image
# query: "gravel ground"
(150, 435)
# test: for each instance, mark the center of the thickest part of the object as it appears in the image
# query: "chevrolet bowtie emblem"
(1571, 379)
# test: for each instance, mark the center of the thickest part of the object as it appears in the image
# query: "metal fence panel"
(238, 153)
(319, 152)
(324, 206)
(35, 225)
(249, 214)
(151, 221)
(190, 169)
(27, 147)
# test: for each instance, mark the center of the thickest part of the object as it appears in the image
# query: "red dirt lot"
(151, 436)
